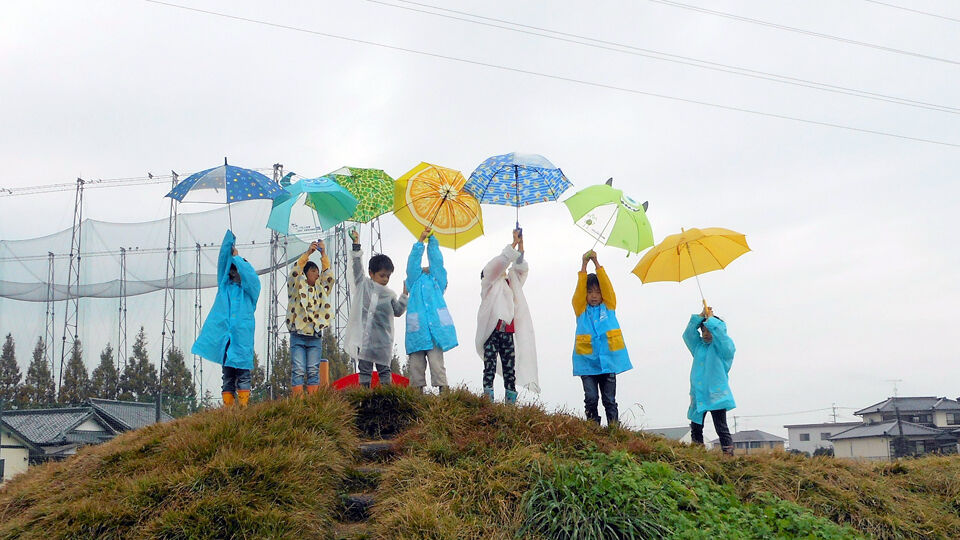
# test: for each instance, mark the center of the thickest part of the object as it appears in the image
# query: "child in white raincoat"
(369, 334)
(504, 326)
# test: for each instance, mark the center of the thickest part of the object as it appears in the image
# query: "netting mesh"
(24, 264)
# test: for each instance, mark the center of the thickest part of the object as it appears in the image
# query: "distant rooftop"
(673, 433)
(46, 426)
(128, 414)
(906, 404)
(887, 429)
(753, 435)
(824, 424)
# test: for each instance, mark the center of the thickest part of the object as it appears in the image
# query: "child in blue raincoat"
(430, 330)
(712, 351)
(227, 334)
(599, 352)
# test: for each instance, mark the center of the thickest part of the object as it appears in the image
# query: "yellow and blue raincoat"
(599, 346)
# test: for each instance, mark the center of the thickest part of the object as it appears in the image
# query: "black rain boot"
(696, 433)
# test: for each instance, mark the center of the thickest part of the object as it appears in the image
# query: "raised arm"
(690, 335)
(249, 280)
(414, 268)
(226, 255)
(435, 258)
(606, 289)
(498, 265)
(399, 304)
(356, 259)
(580, 293)
(724, 345)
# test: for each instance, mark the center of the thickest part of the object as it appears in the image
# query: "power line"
(558, 77)
(804, 32)
(937, 15)
(663, 56)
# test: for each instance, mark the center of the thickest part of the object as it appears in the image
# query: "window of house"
(920, 447)
(889, 416)
(755, 444)
(824, 435)
(804, 436)
(953, 419)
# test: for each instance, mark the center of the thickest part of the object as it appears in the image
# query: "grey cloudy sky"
(852, 278)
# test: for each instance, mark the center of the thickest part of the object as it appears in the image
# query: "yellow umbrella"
(433, 196)
(690, 253)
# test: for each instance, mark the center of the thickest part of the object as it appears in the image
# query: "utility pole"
(834, 412)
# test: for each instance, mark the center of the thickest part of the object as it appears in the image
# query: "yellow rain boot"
(296, 390)
(324, 374)
(243, 397)
(227, 399)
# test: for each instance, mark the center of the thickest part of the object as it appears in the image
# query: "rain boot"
(227, 399)
(324, 374)
(511, 397)
(696, 433)
(488, 392)
(296, 390)
(243, 397)
(727, 450)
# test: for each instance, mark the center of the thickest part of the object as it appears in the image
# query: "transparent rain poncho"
(369, 332)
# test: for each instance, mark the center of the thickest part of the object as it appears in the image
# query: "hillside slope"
(458, 467)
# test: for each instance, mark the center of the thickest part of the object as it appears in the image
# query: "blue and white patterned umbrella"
(517, 180)
(230, 184)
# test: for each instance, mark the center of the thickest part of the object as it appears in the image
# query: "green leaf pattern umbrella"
(373, 189)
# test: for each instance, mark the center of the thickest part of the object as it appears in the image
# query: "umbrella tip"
(645, 205)
(609, 181)
(224, 160)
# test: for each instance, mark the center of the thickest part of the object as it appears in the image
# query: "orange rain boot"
(312, 388)
(243, 397)
(296, 390)
(227, 399)
(324, 374)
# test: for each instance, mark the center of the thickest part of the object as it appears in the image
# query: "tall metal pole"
(71, 316)
(122, 318)
(197, 318)
(168, 334)
(341, 290)
(48, 333)
(376, 242)
(273, 298)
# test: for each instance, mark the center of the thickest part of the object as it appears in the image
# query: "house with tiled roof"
(30, 437)
(753, 441)
(902, 426)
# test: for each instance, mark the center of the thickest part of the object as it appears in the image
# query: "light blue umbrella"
(311, 205)
(517, 180)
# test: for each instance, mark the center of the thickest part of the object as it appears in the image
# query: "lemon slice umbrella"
(691, 253)
(433, 196)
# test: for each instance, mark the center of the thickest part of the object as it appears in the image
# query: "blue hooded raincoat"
(230, 321)
(429, 323)
(709, 384)
(599, 346)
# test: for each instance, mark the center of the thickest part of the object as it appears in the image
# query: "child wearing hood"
(712, 351)
(504, 326)
(227, 334)
(368, 338)
(599, 353)
(430, 330)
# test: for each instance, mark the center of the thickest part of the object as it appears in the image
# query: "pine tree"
(105, 379)
(179, 394)
(280, 376)
(76, 381)
(259, 391)
(9, 374)
(208, 402)
(138, 382)
(37, 390)
(340, 363)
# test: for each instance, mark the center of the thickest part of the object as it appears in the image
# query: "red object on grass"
(354, 380)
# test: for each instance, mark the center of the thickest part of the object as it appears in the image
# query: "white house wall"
(867, 449)
(16, 457)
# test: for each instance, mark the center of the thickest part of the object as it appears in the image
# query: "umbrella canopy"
(373, 189)
(354, 380)
(433, 196)
(611, 218)
(517, 180)
(691, 253)
(226, 184)
(312, 204)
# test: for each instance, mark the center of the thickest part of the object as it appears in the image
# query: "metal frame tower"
(376, 242)
(169, 295)
(48, 332)
(197, 318)
(278, 256)
(122, 317)
(341, 290)
(71, 315)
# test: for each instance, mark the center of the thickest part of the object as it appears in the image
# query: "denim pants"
(305, 358)
(235, 379)
(719, 424)
(595, 387)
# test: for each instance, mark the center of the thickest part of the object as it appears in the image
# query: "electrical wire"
(937, 15)
(803, 31)
(559, 77)
(666, 57)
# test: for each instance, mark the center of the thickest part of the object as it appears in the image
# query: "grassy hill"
(460, 467)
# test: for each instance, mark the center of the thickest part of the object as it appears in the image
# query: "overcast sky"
(851, 282)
